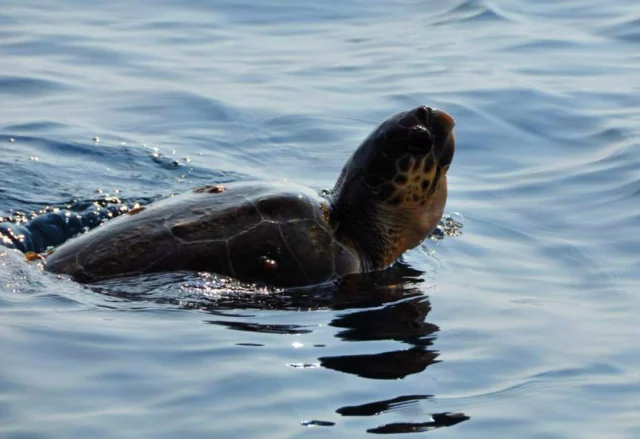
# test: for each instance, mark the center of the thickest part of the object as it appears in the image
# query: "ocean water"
(524, 326)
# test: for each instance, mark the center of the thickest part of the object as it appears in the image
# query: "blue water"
(525, 326)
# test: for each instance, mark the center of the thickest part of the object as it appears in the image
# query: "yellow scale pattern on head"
(412, 188)
(409, 188)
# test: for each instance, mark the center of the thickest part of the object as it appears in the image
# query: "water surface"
(525, 326)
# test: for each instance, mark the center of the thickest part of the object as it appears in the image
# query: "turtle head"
(392, 192)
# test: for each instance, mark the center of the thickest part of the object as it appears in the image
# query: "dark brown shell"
(274, 233)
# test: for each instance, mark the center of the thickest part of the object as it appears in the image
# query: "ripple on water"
(472, 11)
(46, 126)
(625, 28)
(11, 86)
(298, 141)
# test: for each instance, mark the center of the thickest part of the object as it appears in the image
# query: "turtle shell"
(273, 233)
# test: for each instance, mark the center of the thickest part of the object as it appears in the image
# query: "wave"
(470, 11)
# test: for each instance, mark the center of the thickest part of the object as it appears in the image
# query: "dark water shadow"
(386, 306)
(438, 420)
(397, 311)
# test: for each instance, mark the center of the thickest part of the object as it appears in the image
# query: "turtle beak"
(444, 119)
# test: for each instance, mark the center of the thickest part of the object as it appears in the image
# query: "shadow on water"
(387, 306)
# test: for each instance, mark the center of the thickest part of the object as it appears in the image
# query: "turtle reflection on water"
(389, 196)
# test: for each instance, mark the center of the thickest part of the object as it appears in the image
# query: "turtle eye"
(420, 140)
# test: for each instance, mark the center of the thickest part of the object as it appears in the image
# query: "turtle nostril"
(446, 121)
(422, 114)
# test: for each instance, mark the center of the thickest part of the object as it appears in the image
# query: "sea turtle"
(389, 197)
